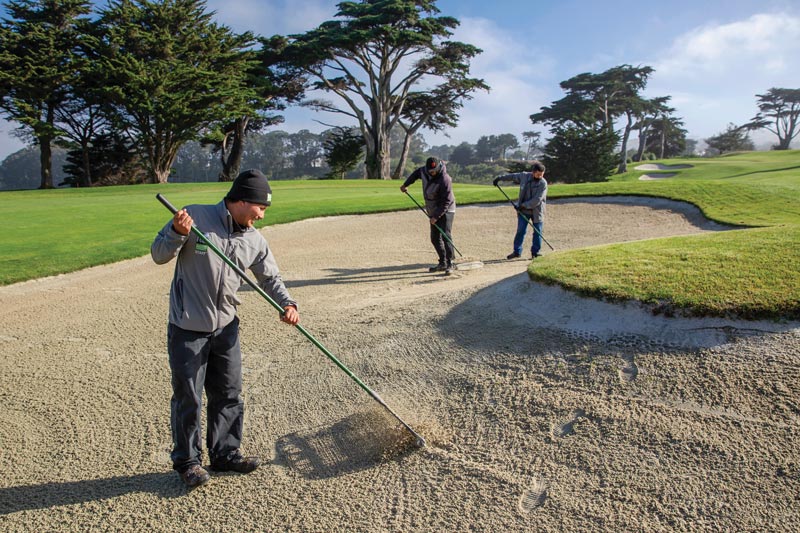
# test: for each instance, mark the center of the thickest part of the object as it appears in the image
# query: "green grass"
(745, 273)
(58, 231)
(750, 272)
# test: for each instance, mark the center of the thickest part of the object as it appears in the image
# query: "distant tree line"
(778, 113)
(336, 153)
(126, 87)
(143, 90)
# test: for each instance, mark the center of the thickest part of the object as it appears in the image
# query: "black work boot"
(194, 476)
(512, 255)
(235, 463)
(438, 268)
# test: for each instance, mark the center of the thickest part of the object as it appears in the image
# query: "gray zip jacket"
(203, 293)
(532, 194)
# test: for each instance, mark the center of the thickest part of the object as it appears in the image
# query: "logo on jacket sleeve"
(201, 247)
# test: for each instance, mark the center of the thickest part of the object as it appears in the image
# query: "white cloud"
(515, 69)
(713, 72)
(762, 44)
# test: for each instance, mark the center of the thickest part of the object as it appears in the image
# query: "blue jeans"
(522, 228)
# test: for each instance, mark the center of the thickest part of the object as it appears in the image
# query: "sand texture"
(542, 411)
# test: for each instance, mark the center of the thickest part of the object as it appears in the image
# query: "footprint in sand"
(629, 371)
(533, 497)
(562, 429)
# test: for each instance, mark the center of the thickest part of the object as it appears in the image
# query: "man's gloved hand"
(496, 181)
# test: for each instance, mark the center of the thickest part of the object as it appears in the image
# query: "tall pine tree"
(171, 73)
(39, 61)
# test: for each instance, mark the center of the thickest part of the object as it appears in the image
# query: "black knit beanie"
(433, 164)
(251, 186)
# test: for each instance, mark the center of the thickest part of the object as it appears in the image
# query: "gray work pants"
(210, 361)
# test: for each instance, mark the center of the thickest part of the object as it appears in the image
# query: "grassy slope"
(58, 231)
(750, 272)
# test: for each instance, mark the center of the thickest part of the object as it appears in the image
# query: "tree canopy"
(170, 73)
(779, 112)
(275, 84)
(344, 148)
(733, 139)
(371, 57)
(594, 102)
(39, 64)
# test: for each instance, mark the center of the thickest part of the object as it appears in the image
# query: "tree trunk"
(378, 163)
(161, 175)
(232, 163)
(160, 156)
(162, 166)
(642, 142)
(785, 140)
(46, 153)
(46, 162)
(87, 167)
(398, 172)
(623, 163)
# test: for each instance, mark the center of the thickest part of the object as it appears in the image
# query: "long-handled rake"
(420, 442)
(462, 266)
(526, 218)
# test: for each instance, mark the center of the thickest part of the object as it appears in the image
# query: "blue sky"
(711, 56)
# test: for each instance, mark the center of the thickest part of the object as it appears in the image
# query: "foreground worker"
(203, 330)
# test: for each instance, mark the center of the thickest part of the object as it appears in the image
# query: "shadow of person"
(55, 494)
(361, 275)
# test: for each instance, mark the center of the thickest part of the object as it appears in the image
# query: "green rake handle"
(420, 442)
(434, 225)
(526, 218)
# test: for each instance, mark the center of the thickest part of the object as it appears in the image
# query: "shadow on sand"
(360, 275)
(47, 495)
(519, 304)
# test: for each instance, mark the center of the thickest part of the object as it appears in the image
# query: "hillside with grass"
(750, 272)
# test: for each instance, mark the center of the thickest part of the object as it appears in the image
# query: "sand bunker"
(542, 411)
(660, 166)
(650, 177)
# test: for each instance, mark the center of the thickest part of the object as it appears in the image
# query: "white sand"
(542, 411)
(661, 166)
(651, 177)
